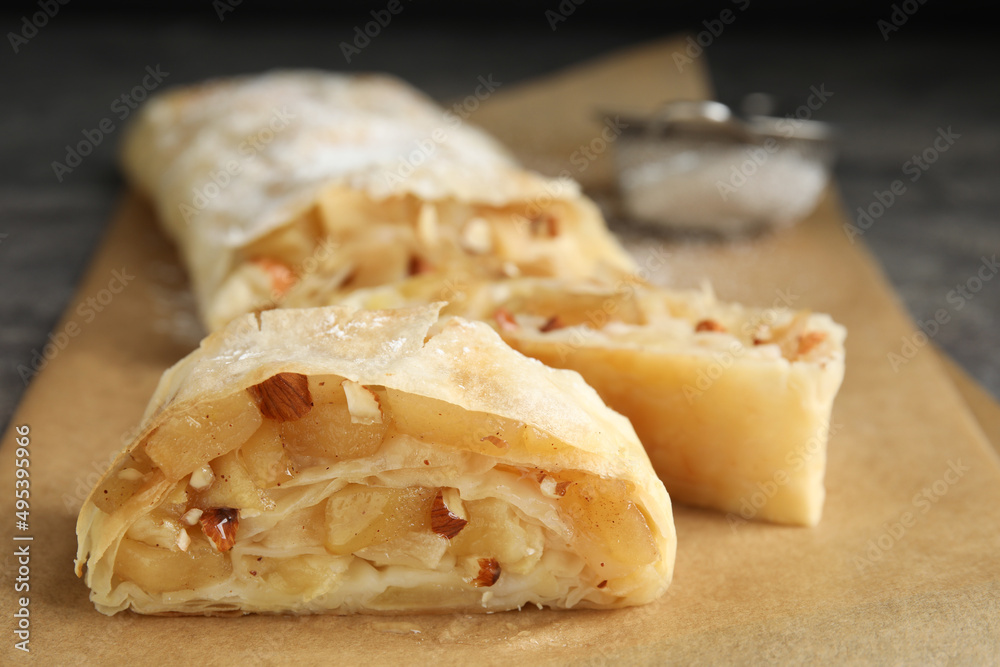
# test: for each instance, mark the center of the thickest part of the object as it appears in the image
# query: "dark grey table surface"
(891, 98)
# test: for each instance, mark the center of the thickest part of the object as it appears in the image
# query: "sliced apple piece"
(614, 534)
(233, 487)
(434, 421)
(265, 458)
(301, 529)
(494, 531)
(359, 516)
(306, 577)
(328, 432)
(201, 433)
(160, 570)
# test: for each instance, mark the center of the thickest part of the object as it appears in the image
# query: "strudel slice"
(292, 184)
(733, 404)
(340, 460)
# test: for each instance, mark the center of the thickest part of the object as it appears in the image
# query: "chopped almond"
(603, 584)
(551, 487)
(362, 403)
(192, 516)
(709, 325)
(809, 340)
(489, 572)
(545, 224)
(444, 522)
(202, 477)
(281, 275)
(284, 397)
(419, 266)
(427, 225)
(552, 324)
(510, 269)
(762, 335)
(505, 320)
(787, 337)
(496, 440)
(477, 237)
(220, 525)
(130, 474)
(183, 540)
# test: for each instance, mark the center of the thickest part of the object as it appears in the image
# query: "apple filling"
(350, 240)
(667, 321)
(312, 493)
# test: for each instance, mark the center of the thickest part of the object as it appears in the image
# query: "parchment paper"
(860, 587)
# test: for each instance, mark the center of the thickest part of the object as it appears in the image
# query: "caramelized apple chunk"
(157, 529)
(265, 458)
(159, 570)
(234, 487)
(329, 432)
(199, 434)
(117, 488)
(443, 423)
(612, 530)
(359, 516)
(306, 576)
(302, 529)
(494, 529)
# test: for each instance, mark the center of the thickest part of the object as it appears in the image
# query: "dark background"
(938, 70)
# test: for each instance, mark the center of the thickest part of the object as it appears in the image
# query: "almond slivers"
(362, 403)
(444, 521)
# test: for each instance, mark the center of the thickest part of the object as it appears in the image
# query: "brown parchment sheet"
(904, 567)
(984, 407)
